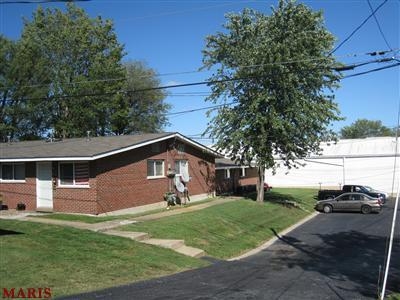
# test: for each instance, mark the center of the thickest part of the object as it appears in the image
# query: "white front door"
(44, 186)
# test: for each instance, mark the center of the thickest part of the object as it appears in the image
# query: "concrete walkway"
(111, 227)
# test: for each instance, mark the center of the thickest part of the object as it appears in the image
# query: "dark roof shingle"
(77, 147)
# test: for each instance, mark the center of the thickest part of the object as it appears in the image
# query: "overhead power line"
(143, 90)
(209, 82)
(353, 66)
(379, 25)
(178, 113)
(374, 53)
(358, 27)
(371, 71)
(40, 1)
(198, 109)
(244, 78)
(171, 13)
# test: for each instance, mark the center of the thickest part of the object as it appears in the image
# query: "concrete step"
(137, 236)
(44, 209)
(190, 251)
(143, 237)
(170, 244)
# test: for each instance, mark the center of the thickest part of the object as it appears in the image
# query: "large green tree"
(78, 55)
(20, 116)
(363, 128)
(142, 109)
(277, 70)
(7, 52)
(65, 76)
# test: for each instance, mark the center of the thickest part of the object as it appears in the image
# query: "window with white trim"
(155, 168)
(73, 174)
(227, 173)
(12, 171)
(181, 167)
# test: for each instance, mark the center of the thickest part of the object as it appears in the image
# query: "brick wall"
(75, 199)
(119, 181)
(201, 170)
(13, 193)
(122, 180)
(236, 181)
(250, 178)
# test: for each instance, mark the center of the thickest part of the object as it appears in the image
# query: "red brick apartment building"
(103, 174)
(233, 178)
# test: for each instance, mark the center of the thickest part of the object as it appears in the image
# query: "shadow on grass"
(9, 232)
(278, 198)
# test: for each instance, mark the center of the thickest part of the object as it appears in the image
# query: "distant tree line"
(65, 76)
(363, 128)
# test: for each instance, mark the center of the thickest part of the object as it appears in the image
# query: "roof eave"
(40, 159)
(113, 152)
(198, 145)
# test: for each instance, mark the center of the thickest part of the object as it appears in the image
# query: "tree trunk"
(260, 184)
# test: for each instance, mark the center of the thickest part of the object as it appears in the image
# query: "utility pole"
(394, 215)
(344, 170)
(390, 243)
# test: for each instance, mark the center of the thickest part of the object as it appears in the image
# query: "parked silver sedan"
(350, 202)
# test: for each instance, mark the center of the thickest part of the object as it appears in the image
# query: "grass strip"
(96, 219)
(230, 229)
(71, 261)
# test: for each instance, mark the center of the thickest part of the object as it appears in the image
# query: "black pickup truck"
(330, 194)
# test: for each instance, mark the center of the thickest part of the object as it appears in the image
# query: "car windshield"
(361, 189)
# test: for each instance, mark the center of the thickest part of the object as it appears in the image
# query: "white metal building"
(369, 161)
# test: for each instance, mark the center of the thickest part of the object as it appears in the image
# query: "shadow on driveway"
(348, 256)
(335, 256)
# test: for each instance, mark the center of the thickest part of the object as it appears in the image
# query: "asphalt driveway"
(333, 256)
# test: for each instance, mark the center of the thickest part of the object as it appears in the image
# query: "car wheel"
(327, 209)
(365, 209)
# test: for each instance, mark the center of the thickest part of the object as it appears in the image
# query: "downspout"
(344, 170)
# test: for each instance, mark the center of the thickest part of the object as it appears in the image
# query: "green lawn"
(303, 197)
(71, 261)
(395, 296)
(230, 229)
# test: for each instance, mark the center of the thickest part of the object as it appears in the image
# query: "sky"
(169, 37)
